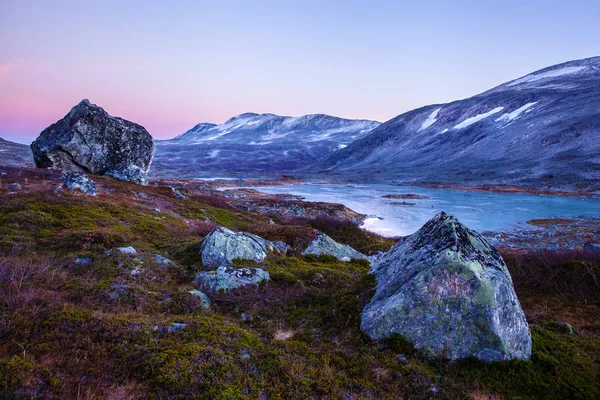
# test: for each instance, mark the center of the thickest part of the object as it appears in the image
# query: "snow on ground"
(342, 146)
(470, 121)
(511, 116)
(213, 153)
(544, 75)
(430, 120)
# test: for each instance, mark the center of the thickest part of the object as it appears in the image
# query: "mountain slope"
(15, 154)
(542, 129)
(256, 143)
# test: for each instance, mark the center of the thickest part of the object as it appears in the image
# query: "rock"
(77, 181)
(119, 289)
(204, 299)
(589, 247)
(552, 247)
(13, 187)
(565, 327)
(88, 139)
(323, 244)
(448, 291)
(177, 194)
(83, 260)
(162, 260)
(227, 278)
(221, 246)
(123, 250)
(410, 196)
(175, 327)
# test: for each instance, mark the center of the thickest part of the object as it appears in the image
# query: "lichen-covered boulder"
(204, 299)
(222, 246)
(77, 181)
(88, 139)
(323, 244)
(448, 291)
(227, 278)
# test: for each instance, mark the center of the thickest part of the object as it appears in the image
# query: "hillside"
(542, 130)
(80, 318)
(15, 154)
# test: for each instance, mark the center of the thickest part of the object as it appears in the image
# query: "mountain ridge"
(540, 129)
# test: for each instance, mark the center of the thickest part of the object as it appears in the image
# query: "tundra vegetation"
(80, 321)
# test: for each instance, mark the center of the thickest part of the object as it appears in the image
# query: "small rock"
(119, 289)
(13, 187)
(323, 244)
(565, 327)
(590, 247)
(77, 181)
(271, 222)
(162, 260)
(176, 327)
(177, 194)
(83, 260)
(204, 299)
(401, 358)
(141, 195)
(123, 250)
(244, 354)
(227, 278)
(244, 317)
(157, 209)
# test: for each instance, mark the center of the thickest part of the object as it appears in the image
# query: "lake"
(482, 211)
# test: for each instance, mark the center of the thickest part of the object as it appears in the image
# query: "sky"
(171, 65)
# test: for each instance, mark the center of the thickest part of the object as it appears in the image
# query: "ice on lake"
(482, 211)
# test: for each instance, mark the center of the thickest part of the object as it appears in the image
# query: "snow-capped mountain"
(542, 129)
(256, 143)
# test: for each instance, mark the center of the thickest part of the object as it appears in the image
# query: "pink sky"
(170, 67)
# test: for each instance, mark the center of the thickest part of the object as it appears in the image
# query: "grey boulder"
(227, 278)
(590, 247)
(448, 291)
(77, 181)
(323, 244)
(204, 299)
(88, 139)
(221, 246)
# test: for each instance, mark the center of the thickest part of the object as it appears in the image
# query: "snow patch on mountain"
(515, 114)
(548, 74)
(470, 121)
(430, 120)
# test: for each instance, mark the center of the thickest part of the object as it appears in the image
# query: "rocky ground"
(100, 298)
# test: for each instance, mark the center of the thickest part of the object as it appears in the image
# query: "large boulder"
(448, 291)
(226, 278)
(222, 246)
(88, 139)
(323, 244)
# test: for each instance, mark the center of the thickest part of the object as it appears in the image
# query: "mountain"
(15, 154)
(256, 144)
(542, 129)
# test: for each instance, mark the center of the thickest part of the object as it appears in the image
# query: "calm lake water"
(479, 211)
